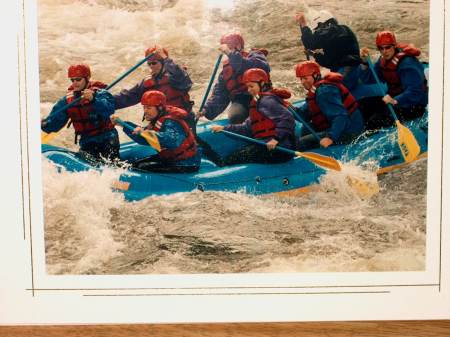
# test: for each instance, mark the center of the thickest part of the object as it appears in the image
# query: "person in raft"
(330, 108)
(403, 73)
(175, 137)
(165, 76)
(90, 117)
(230, 88)
(269, 121)
(333, 45)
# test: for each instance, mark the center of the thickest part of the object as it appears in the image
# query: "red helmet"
(78, 70)
(153, 98)
(385, 38)
(156, 56)
(307, 68)
(234, 40)
(255, 75)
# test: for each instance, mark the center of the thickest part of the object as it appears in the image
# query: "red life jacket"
(80, 114)
(389, 68)
(318, 118)
(174, 96)
(188, 148)
(262, 126)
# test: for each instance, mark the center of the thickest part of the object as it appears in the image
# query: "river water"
(91, 230)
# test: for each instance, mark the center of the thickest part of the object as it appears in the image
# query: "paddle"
(211, 81)
(407, 142)
(45, 137)
(297, 117)
(319, 160)
(149, 136)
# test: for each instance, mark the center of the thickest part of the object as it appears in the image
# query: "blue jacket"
(103, 107)
(220, 97)
(271, 107)
(178, 79)
(328, 97)
(170, 136)
(411, 73)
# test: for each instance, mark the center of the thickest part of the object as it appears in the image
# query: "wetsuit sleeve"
(272, 108)
(103, 104)
(412, 79)
(328, 97)
(57, 118)
(255, 59)
(129, 97)
(242, 129)
(178, 77)
(218, 101)
(308, 39)
(138, 139)
(171, 134)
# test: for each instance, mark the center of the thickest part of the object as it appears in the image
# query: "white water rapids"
(89, 229)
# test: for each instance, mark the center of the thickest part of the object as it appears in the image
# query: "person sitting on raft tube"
(230, 87)
(269, 121)
(165, 76)
(403, 73)
(176, 139)
(333, 45)
(330, 108)
(99, 139)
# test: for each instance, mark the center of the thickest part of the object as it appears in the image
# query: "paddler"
(230, 91)
(269, 121)
(165, 76)
(175, 137)
(398, 66)
(98, 139)
(330, 108)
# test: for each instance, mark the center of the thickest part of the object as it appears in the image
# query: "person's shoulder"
(327, 88)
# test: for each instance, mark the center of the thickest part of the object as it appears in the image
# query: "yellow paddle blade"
(46, 137)
(407, 142)
(364, 188)
(151, 139)
(319, 160)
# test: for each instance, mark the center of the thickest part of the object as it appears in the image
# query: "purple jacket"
(220, 97)
(178, 78)
(272, 108)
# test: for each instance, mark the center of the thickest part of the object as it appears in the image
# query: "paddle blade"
(319, 160)
(46, 137)
(151, 139)
(408, 144)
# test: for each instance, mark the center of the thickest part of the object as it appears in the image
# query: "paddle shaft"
(113, 83)
(372, 69)
(125, 125)
(297, 117)
(211, 81)
(256, 141)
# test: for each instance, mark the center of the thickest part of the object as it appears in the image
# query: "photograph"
(190, 137)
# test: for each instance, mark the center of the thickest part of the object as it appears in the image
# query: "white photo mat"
(28, 295)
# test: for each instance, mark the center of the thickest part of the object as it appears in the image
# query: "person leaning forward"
(165, 76)
(229, 87)
(269, 121)
(333, 46)
(99, 139)
(330, 108)
(177, 142)
(403, 73)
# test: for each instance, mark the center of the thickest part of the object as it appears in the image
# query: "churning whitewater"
(90, 229)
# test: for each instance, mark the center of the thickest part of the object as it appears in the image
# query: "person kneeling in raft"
(268, 121)
(175, 140)
(330, 108)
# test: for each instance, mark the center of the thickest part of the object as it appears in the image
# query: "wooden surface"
(326, 329)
